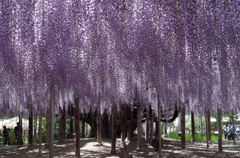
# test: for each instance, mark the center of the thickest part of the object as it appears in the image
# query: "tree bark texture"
(30, 130)
(193, 126)
(219, 129)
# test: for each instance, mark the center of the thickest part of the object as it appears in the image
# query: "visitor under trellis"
(5, 135)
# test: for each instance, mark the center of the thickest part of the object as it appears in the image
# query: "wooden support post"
(193, 126)
(209, 125)
(183, 127)
(159, 128)
(30, 128)
(99, 123)
(139, 126)
(35, 130)
(51, 127)
(62, 123)
(77, 127)
(71, 123)
(123, 132)
(114, 126)
(219, 114)
(165, 128)
(129, 129)
(83, 125)
(40, 135)
(207, 130)
(147, 127)
(47, 125)
(151, 129)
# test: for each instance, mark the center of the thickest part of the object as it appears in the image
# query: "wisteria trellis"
(116, 51)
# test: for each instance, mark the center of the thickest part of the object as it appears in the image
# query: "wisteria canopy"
(111, 52)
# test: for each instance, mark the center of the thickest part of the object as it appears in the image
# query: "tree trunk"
(147, 127)
(219, 129)
(183, 127)
(207, 130)
(129, 130)
(165, 128)
(40, 135)
(201, 127)
(71, 128)
(114, 126)
(51, 126)
(209, 125)
(123, 132)
(151, 128)
(193, 126)
(139, 126)
(83, 126)
(77, 128)
(159, 129)
(30, 129)
(35, 129)
(99, 125)
(62, 123)
(47, 126)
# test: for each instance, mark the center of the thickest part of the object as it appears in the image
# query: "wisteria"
(114, 52)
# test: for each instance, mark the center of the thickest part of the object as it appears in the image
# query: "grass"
(188, 137)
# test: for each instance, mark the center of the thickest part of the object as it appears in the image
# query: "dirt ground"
(89, 148)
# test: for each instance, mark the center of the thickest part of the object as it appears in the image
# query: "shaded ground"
(89, 148)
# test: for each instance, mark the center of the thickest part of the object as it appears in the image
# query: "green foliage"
(230, 116)
(11, 133)
(174, 135)
(199, 122)
(188, 137)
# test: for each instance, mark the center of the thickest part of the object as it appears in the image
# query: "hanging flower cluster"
(120, 51)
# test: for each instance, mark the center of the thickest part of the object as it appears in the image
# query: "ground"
(89, 148)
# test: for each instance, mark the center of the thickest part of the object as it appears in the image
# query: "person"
(5, 135)
(233, 130)
(225, 131)
(16, 131)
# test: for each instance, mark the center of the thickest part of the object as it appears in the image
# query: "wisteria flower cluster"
(111, 52)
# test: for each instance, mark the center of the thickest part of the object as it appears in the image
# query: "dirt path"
(89, 148)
